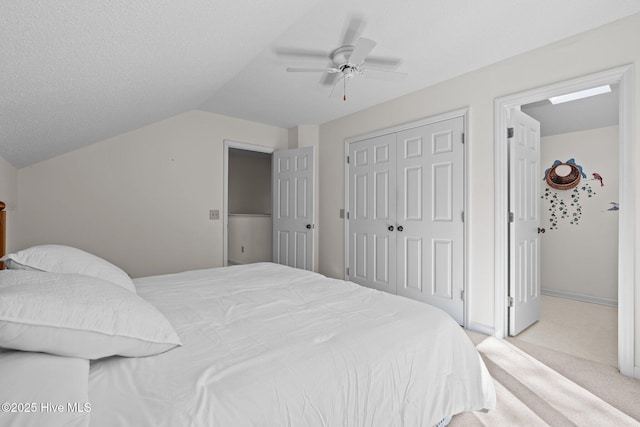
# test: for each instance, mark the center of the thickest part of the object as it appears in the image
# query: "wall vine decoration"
(560, 207)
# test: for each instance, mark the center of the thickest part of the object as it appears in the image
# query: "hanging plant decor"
(560, 209)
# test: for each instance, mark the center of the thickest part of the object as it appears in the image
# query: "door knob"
(390, 228)
(400, 228)
(309, 226)
(541, 230)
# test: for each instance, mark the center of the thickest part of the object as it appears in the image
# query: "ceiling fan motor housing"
(341, 55)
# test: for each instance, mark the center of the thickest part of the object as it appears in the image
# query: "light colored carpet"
(589, 331)
(531, 393)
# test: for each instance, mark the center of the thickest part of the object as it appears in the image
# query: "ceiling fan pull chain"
(344, 97)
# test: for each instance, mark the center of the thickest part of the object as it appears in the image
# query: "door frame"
(623, 76)
(461, 112)
(225, 201)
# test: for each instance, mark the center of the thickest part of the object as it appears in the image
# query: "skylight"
(580, 94)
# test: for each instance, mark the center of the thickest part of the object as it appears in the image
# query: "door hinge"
(509, 132)
(347, 271)
(463, 137)
(462, 294)
(510, 302)
(462, 215)
(347, 215)
(347, 159)
(511, 217)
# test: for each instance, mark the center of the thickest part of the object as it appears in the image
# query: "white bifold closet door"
(372, 213)
(406, 199)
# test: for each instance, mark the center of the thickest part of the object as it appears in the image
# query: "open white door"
(524, 240)
(293, 225)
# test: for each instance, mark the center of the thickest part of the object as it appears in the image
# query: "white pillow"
(78, 316)
(65, 259)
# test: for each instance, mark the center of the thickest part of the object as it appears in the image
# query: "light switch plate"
(214, 214)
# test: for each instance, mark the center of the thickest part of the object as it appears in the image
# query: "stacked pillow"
(67, 260)
(64, 301)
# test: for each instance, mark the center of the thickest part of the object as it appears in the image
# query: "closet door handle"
(390, 228)
(400, 228)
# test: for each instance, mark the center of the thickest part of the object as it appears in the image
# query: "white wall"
(581, 259)
(249, 184)
(607, 47)
(9, 195)
(253, 233)
(8, 184)
(140, 200)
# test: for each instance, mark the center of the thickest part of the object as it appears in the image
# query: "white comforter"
(268, 345)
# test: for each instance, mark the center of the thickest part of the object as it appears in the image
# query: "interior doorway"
(269, 216)
(579, 226)
(247, 214)
(626, 236)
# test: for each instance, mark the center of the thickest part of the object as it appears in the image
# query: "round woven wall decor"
(563, 176)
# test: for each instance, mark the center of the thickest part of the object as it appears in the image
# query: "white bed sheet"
(39, 389)
(268, 345)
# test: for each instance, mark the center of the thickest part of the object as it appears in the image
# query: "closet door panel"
(431, 213)
(372, 178)
(413, 196)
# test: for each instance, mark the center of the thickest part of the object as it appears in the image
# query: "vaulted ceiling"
(75, 73)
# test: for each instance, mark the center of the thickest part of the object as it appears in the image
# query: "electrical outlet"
(214, 214)
(341, 213)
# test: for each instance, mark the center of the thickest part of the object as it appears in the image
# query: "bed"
(249, 345)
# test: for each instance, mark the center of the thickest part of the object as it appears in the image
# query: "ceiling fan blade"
(329, 79)
(335, 85)
(302, 53)
(361, 50)
(312, 70)
(353, 30)
(381, 74)
(383, 61)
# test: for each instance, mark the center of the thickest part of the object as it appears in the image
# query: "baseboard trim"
(232, 262)
(481, 328)
(579, 297)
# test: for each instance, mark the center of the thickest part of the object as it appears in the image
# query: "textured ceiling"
(75, 73)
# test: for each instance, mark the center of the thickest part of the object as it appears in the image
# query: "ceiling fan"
(350, 61)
